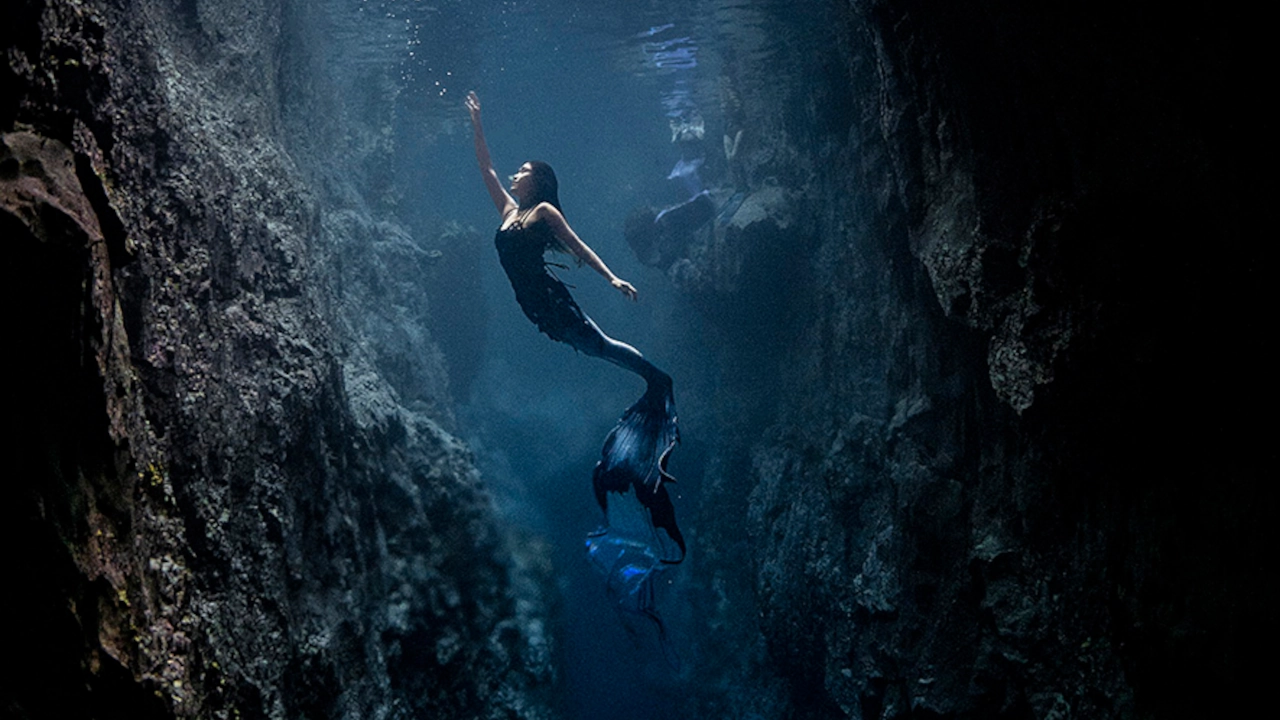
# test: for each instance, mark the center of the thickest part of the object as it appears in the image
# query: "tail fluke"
(635, 457)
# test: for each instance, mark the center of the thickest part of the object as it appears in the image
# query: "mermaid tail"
(636, 450)
(635, 457)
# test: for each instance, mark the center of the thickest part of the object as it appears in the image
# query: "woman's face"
(522, 182)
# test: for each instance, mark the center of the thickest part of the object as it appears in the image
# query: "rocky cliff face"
(231, 498)
(998, 373)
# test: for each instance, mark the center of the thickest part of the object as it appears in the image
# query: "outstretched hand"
(473, 106)
(624, 287)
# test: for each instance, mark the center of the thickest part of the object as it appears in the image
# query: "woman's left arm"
(571, 241)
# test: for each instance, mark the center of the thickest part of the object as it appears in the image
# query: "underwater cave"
(963, 305)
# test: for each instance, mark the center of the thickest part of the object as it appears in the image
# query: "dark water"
(598, 90)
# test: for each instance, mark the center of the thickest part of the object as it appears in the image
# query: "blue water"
(597, 90)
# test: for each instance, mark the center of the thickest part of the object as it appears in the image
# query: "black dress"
(544, 299)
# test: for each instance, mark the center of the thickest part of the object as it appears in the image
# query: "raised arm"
(501, 198)
(574, 244)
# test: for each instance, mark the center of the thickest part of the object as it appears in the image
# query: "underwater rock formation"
(227, 500)
(999, 467)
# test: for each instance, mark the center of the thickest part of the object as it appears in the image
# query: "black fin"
(635, 457)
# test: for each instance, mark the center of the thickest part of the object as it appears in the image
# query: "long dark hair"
(547, 189)
(545, 186)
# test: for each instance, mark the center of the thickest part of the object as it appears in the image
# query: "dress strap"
(521, 216)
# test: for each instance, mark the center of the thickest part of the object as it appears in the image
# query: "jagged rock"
(233, 497)
(981, 475)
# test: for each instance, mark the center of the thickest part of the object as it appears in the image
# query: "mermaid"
(636, 450)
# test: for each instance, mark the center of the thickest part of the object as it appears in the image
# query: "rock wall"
(986, 419)
(231, 498)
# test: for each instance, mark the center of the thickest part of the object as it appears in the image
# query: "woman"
(635, 453)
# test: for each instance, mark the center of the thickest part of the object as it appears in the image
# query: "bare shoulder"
(548, 212)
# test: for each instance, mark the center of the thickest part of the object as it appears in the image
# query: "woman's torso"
(522, 241)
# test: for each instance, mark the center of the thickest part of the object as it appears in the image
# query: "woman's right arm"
(501, 198)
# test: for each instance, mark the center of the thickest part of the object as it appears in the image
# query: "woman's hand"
(624, 287)
(473, 107)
